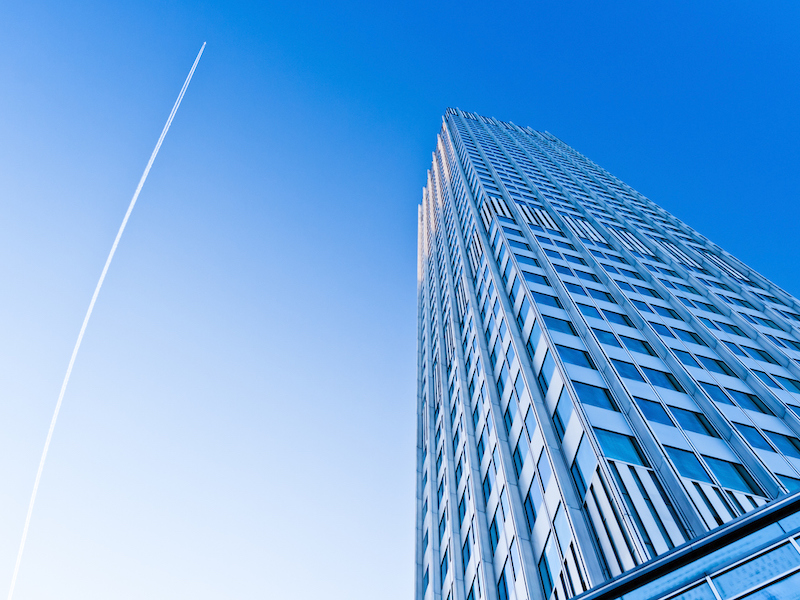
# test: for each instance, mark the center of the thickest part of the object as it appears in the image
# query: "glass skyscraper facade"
(598, 383)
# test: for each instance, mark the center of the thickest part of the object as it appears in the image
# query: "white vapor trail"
(89, 314)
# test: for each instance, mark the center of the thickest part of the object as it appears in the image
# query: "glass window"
(790, 483)
(546, 374)
(693, 421)
(533, 500)
(749, 401)
(575, 357)
(619, 447)
(635, 345)
(574, 288)
(559, 325)
(735, 349)
(753, 437)
(715, 366)
(606, 337)
(589, 311)
(534, 278)
(626, 369)
(600, 295)
(662, 379)
(544, 568)
(562, 414)
(594, 396)
(790, 446)
(662, 329)
(733, 475)
(543, 466)
(689, 336)
(687, 464)
(716, 393)
(653, 411)
(546, 299)
(561, 526)
(617, 318)
(686, 358)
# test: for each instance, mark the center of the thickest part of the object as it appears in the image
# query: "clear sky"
(241, 421)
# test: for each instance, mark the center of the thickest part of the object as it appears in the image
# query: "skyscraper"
(598, 383)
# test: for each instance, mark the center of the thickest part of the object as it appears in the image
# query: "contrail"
(89, 314)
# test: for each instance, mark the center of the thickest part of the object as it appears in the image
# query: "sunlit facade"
(597, 382)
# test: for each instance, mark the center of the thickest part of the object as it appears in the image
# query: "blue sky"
(240, 422)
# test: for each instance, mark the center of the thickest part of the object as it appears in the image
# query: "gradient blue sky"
(240, 423)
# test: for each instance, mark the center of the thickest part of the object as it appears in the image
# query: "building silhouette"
(607, 401)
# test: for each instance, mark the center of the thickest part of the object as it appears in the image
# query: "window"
(641, 306)
(563, 270)
(575, 357)
(545, 471)
(532, 502)
(715, 366)
(790, 384)
(622, 285)
(606, 337)
(546, 374)
(730, 329)
(635, 345)
(589, 311)
(494, 534)
(627, 370)
(689, 336)
(462, 510)
(716, 393)
(466, 552)
(444, 565)
(487, 485)
(583, 466)
(790, 483)
(594, 396)
(620, 447)
(653, 411)
(425, 580)
(687, 464)
(520, 452)
(527, 260)
(617, 318)
(693, 421)
(686, 358)
(600, 295)
(733, 475)
(753, 437)
(666, 312)
(749, 401)
(559, 325)
(502, 587)
(546, 299)
(662, 329)
(574, 288)
(562, 414)
(544, 567)
(662, 379)
(790, 446)
(533, 278)
(586, 276)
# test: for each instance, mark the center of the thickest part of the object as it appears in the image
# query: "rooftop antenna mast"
(89, 314)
